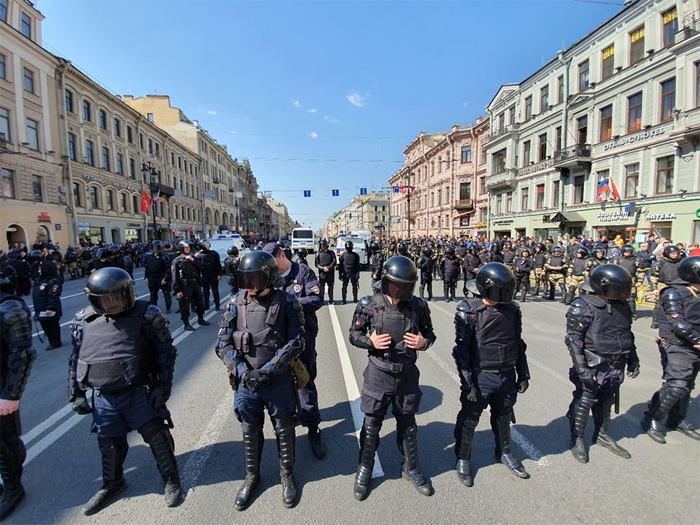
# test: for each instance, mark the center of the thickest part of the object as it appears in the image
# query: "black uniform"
(376, 262)
(349, 269)
(46, 296)
(450, 268)
(22, 280)
(16, 358)
(156, 267)
(471, 266)
(425, 265)
(663, 272)
(631, 264)
(186, 279)
(211, 275)
(522, 268)
(326, 259)
(231, 271)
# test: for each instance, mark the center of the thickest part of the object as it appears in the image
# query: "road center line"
(351, 386)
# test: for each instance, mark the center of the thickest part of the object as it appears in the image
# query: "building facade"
(621, 105)
(33, 200)
(363, 213)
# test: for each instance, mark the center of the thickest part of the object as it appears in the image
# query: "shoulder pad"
(465, 307)
(151, 313)
(578, 306)
(11, 304)
(420, 302)
(365, 301)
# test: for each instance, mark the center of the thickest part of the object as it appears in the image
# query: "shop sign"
(661, 217)
(44, 217)
(90, 178)
(83, 224)
(125, 187)
(133, 225)
(697, 213)
(536, 167)
(634, 138)
(612, 216)
(481, 225)
(58, 227)
(503, 222)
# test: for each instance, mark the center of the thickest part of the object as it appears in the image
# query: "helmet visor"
(400, 291)
(500, 294)
(252, 279)
(114, 303)
(619, 292)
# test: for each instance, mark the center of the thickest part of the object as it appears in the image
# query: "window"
(501, 122)
(543, 147)
(557, 138)
(578, 189)
(631, 179)
(177, 212)
(28, 80)
(150, 146)
(89, 154)
(664, 174)
(499, 202)
(526, 153)
(555, 194)
(132, 168)
(26, 25)
(33, 134)
(136, 204)
(3, 10)
(439, 164)
(141, 140)
(157, 150)
(110, 200)
(36, 189)
(94, 201)
(8, 183)
(544, 98)
(129, 135)
(465, 191)
(71, 147)
(87, 111)
(670, 19)
(668, 99)
(528, 108)
(697, 84)
(499, 161)
(560, 89)
(77, 195)
(608, 68)
(120, 164)
(511, 115)
(123, 206)
(582, 129)
(583, 76)
(5, 124)
(606, 123)
(482, 185)
(117, 128)
(103, 119)
(636, 45)
(634, 113)
(150, 117)
(105, 158)
(509, 202)
(3, 66)
(539, 204)
(525, 199)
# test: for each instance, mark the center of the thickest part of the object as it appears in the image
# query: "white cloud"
(356, 100)
(312, 110)
(313, 135)
(297, 104)
(211, 112)
(332, 120)
(232, 132)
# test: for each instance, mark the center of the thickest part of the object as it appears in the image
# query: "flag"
(606, 189)
(613, 190)
(432, 222)
(190, 229)
(402, 189)
(155, 199)
(145, 202)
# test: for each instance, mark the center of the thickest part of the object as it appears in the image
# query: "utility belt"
(501, 370)
(118, 391)
(186, 280)
(616, 360)
(390, 366)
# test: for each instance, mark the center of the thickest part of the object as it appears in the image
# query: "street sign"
(395, 219)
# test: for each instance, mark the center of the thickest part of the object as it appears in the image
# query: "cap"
(272, 248)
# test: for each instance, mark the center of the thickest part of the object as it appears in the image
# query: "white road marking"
(351, 386)
(51, 438)
(31, 306)
(37, 430)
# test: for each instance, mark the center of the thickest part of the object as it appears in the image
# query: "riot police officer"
(16, 358)
(555, 266)
(22, 280)
(260, 333)
(34, 259)
(601, 343)
(576, 273)
(492, 365)
(349, 269)
(663, 273)
(450, 268)
(123, 350)
(101, 260)
(471, 265)
(679, 345)
(71, 259)
(509, 255)
(376, 261)
(630, 263)
(211, 274)
(425, 264)
(156, 267)
(186, 278)
(540, 259)
(231, 269)
(300, 256)
(47, 303)
(325, 263)
(393, 326)
(522, 267)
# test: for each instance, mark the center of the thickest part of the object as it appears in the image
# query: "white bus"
(303, 238)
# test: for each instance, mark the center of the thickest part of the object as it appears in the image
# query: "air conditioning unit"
(62, 199)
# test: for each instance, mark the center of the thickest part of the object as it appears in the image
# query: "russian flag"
(607, 186)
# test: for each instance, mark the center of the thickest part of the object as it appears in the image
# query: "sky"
(322, 94)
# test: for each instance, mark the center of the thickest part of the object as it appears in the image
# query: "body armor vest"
(523, 265)
(508, 257)
(668, 270)
(473, 262)
(691, 314)
(579, 266)
(396, 320)
(556, 261)
(493, 345)
(425, 264)
(260, 330)
(540, 259)
(610, 332)
(112, 354)
(629, 264)
(451, 267)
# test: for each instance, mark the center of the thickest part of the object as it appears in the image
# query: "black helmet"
(257, 270)
(302, 252)
(323, 243)
(281, 244)
(113, 250)
(582, 252)
(35, 256)
(232, 251)
(541, 247)
(668, 251)
(349, 245)
(156, 245)
(557, 250)
(689, 270)
(449, 250)
(428, 252)
(627, 248)
(101, 253)
(496, 282)
(508, 245)
(110, 291)
(598, 250)
(399, 276)
(526, 249)
(612, 281)
(496, 247)
(185, 244)
(168, 244)
(402, 248)
(374, 247)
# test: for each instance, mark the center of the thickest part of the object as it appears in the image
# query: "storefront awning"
(569, 216)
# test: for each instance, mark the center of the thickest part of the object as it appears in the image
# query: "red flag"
(145, 202)
(613, 190)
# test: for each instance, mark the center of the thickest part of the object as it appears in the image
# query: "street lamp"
(148, 169)
(408, 200)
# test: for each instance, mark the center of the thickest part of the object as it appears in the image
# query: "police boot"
(163, 448)
(446, 292)
(523, 293)
(550, 297)
(463, 448)
(318, 447)
(537, 290)
(661, 404)
(285, 445)
(409, 467)
(369, 441)
(453, 291)
(633, 306)
(562, 289)
(422, 291)
(655, 317)
(113, 455)
(606, 440)
(569, 298)
(252, 446)
(203, 322)
(430, 291)
(578, 414)
(12, 456)
(507, 456)
(676, 418)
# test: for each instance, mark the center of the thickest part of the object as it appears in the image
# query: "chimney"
(423, 133)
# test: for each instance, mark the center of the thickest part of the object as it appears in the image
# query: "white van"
(303, 238)
(222, 242)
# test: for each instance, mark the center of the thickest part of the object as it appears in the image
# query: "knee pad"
(675, 390)
(107, 443)
(150, 429)
(405, 421)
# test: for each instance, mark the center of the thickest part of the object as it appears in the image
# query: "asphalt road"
(658, 485)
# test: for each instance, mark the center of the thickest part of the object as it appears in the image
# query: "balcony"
(165, 191)
(578, 155)
(502, 180)
(215, 180)
(464, 205)
(503, 131)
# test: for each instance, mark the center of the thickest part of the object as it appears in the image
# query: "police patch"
(315, 290)
(54, 289)
(297, 288)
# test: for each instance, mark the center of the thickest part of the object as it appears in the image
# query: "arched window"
(94, 197)
(136, 203)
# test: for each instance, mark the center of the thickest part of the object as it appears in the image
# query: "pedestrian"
(349, 270)
(393, 326)
(16, 358)
(46, 296)
(123, 351)
(492, 365)
(231, 269)
(679, 346)
(425, 265)
(261, 332)
(300, 281)
(186, 272)
(325, 263)
(601, 343)
(211, 274)
(156, 267)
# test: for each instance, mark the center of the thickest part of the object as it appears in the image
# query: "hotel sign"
(613, 216)
(90, 178)
(536, 167)
(634, 138)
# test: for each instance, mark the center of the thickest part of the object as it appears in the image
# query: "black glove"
(158, 397)
(472, 396)
(586, 376)
(81, 406)
(257, 379)
(633, 369)
(523, 386)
